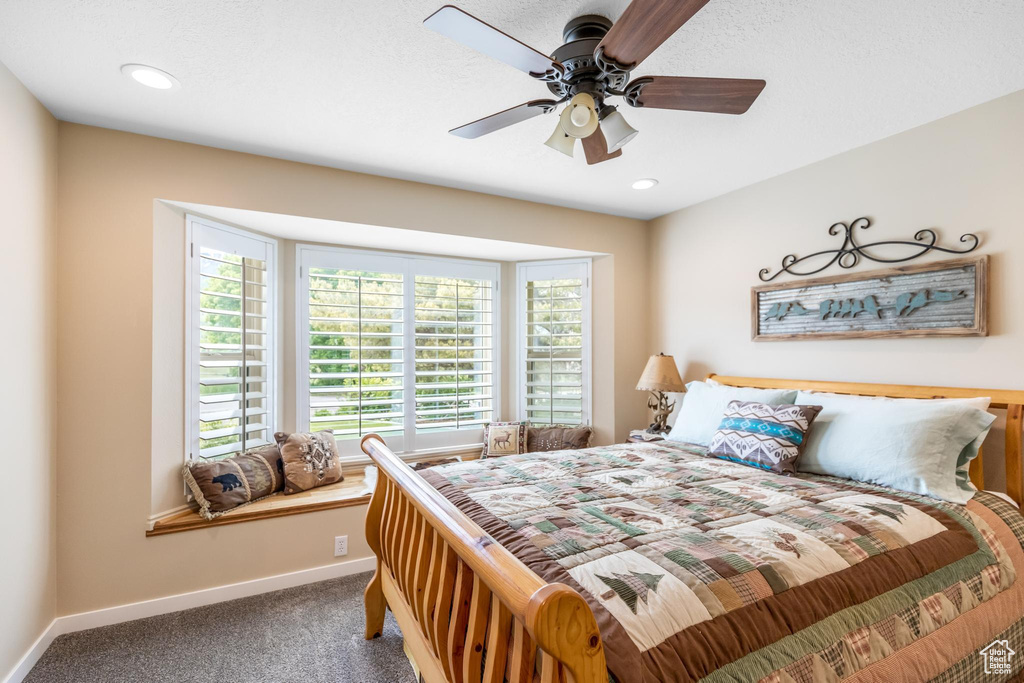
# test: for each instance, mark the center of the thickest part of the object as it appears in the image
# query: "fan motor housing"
(582, 35)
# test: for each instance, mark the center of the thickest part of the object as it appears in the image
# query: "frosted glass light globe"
(580, 115)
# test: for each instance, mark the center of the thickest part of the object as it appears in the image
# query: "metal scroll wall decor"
(945, 299)
(850, 253)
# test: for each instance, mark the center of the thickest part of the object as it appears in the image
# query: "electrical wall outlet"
(340, 546)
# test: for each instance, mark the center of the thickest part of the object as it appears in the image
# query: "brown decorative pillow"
(222, 485)
(504, 438)
(310, 460)
(760, 435)
(558, 438)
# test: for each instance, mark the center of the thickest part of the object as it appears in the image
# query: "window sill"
(346, 493)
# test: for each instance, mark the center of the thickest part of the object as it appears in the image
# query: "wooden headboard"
(1011, 401)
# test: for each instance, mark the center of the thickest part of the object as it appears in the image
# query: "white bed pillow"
(704, 405)
(969, 452)
(907, 444)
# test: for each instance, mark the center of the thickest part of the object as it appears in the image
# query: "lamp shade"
(616, 131)
(560, 141)
(661, 375)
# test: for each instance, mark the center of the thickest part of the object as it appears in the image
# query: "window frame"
(193, 227)
(410, 444)
(561, 269)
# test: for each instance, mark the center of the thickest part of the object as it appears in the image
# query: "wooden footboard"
(468, 609)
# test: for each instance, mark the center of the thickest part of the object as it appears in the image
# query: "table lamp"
(660, 376)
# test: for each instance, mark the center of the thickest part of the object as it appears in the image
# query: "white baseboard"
(30, 658)
(176, 603)
(209, 596)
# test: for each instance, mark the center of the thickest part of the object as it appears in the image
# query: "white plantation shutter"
(455, 351)
(355, 332)
(230, 351)
(399, 346)
(554, 342)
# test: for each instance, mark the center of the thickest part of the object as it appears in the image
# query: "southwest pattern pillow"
(310, 460)
(760, 435)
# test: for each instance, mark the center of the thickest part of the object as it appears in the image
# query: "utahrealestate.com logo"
(998, 657)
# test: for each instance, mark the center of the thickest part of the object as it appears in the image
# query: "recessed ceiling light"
(150, 76)
(644, 183)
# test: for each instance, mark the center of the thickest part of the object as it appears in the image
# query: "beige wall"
(964, 173)
(28, 183)
(106, 316)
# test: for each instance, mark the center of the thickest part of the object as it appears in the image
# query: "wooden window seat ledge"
(346, 493)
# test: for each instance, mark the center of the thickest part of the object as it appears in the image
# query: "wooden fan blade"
(465, 28)
(504, 119)
(596, 148)
(644, 26)
(715, 95)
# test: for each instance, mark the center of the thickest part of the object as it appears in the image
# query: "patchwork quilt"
(704, 569)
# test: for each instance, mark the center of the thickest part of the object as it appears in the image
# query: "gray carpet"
(312, 634)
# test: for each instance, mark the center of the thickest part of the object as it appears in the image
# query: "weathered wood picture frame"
(941, 299)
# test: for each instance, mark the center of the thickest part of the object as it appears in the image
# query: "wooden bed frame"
(469, 610)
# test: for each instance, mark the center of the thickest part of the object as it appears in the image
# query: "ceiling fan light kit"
(561, 141)
(616, 130)
(579, 119)
(582, 109)
(594, 63)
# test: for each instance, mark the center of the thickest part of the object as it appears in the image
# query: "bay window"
(402, 346)
(399, 345)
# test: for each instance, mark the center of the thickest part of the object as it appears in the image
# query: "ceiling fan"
(593, 64)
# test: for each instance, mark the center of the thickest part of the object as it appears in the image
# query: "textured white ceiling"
(362, 85)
